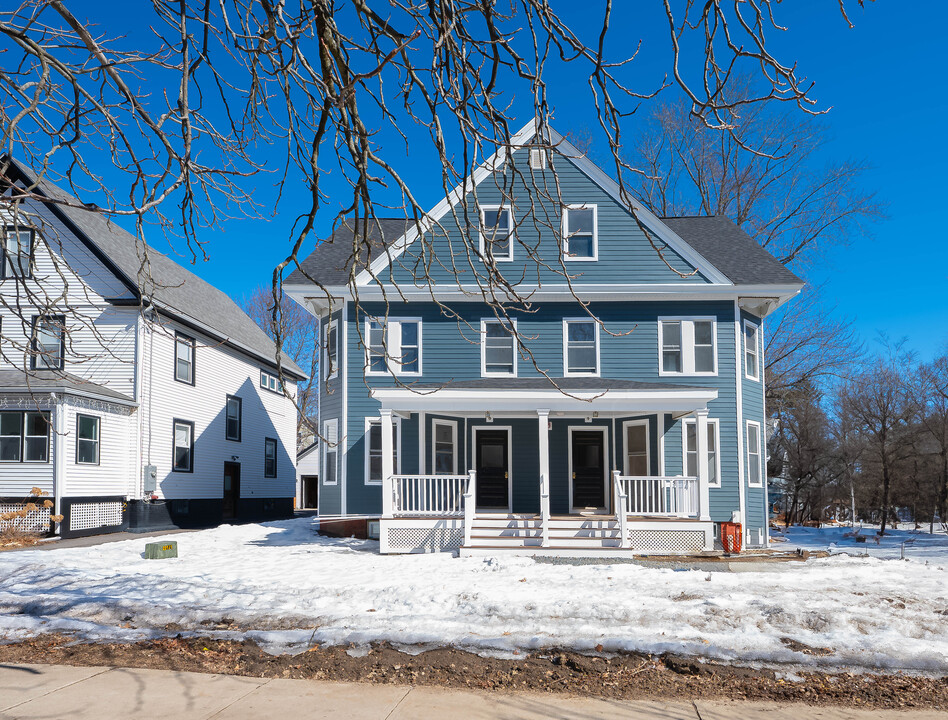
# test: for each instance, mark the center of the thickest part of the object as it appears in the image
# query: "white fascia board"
(314, 300)
(591, 291)
(645, 216)
(481, 400)
(434, 216)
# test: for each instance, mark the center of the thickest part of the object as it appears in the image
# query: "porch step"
(554, 550)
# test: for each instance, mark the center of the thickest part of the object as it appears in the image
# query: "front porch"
(582, 475)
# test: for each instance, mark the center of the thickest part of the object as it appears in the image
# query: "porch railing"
(414, 495)
(660, 496)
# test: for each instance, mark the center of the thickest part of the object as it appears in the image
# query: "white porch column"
(388, 463)
(543, 427)
(704, 493)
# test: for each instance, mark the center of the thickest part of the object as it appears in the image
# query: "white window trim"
(434, 444)
(564, 229)
(332, 324)
(566, 371)
(688, 345)
(330, 448)
(760, 452)
(482, 240)
(717, 455)
(625, 445)
(513, 324)
(393, 346)
(369, 422)
(757, 368)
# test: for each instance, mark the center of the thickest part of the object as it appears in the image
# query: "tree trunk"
(885, 495)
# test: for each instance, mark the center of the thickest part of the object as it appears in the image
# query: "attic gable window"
(17, 252)
(580, 232)
(495, 232)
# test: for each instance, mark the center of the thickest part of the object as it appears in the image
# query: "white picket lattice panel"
(85, 516)
(409, 539)
(35, 522)
(670, 541)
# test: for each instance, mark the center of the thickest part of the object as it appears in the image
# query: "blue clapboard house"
(608, 401)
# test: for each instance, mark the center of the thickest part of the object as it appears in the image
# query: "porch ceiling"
(580, 395)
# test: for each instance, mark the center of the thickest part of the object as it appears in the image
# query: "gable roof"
(717, 247)
(172, 288)
(723, 243)
(732, 250)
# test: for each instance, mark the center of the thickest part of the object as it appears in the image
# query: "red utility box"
(731, 536)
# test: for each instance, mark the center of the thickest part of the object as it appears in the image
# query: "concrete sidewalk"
(61, 691)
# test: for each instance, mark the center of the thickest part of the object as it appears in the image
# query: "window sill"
(567, 258)
(681, 374)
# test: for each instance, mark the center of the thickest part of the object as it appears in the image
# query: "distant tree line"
(875, 443)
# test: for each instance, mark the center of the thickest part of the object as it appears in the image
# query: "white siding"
(218, 372)
(113, 475)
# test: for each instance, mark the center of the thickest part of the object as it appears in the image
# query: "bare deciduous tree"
(299, 331)
(165, 127)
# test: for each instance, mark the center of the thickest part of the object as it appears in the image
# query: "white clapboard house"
(134, 393)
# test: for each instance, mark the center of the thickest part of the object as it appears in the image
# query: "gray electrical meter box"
(151, 478)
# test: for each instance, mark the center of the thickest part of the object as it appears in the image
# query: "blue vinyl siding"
(625, 254)
(451, 352)
(752, 400)
(330, 407)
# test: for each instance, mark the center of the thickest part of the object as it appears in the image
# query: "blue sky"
(882, 82)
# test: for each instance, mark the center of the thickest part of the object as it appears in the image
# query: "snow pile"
(286, 587)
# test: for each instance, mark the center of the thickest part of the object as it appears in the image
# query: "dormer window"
(495, 233)
(580, 232)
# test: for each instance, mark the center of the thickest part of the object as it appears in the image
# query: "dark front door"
(589, 472)
(231, 489)
(492, 468)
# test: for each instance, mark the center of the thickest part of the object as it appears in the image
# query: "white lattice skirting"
(670, 541)
(422, 539)
(85, 516)
(35, 522)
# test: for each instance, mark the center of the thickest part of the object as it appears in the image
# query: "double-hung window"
(580, 232)
(183, 358)
(498, 356)
(581, 347)
(393, 346)
(182, 459)
(269, 457)
(687, 346)
(690, 445)
(445, 449)
(17, 252)
(24, 436)
(751, 351)
(373, 450)
(496, 230)
(49, 343)
(636, 448)
(233, 411)
(87, 440)
(754, 464)
(331, 456)
(332, 349)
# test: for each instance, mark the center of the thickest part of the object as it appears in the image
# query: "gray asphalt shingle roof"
(45, 381)
(164, 281)
(716, 238)
(731, 250)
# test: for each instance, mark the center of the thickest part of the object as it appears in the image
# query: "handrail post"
(469, 502)
(544, 511)
(622, 511)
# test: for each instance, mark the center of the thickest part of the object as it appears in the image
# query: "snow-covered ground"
(914, 545)
(289, 588)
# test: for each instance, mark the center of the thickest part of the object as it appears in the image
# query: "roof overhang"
(504, 400)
